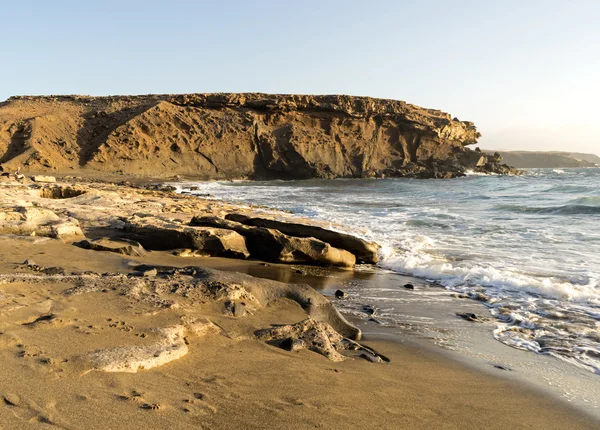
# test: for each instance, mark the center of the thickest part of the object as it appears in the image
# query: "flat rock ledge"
(365, 252)
(155, 234)
(271, 244)
(259, 238)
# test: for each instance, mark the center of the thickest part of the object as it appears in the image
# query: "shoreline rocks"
(272, 245)
(31, 221)
(365, 252)
(154, 234)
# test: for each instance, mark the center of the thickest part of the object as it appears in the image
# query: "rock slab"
(273, 245)
(365, 252)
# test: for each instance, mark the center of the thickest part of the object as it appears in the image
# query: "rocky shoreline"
(136, 220)
(239, 136)
(116, 297)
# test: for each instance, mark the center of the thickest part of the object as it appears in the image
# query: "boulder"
(60, 192)
(155, 234)
(66, 230)
(472, 159)
(119, 247)
(365, 252)
(25, 220)
(320, 337)
(272, 245)
(314, 335)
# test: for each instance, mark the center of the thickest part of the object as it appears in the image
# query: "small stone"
(12, 399)
(29, 262)
(369, 309)
(372, 358)
(470, 317)
(480, 296)
(501, 367)
(149, 273)
(341, 294)
(239, 309)
(300, 272)
(409, 286)
(292, 344)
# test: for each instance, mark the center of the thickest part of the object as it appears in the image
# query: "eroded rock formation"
(238, 136)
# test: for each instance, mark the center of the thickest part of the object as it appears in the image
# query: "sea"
(526, 247)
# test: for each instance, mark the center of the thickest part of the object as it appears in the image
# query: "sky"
(526, 72)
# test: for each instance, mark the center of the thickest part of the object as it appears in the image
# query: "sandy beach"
(87, 341)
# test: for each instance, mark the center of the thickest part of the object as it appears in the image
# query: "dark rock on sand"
(341, 294)
(365, 252)
(372, 358)
(369, 309)
(291, 344)
(501, 367)
(409, 286)
(471, 317)
(40, 319)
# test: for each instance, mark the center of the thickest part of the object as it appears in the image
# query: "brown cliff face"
(238, 136)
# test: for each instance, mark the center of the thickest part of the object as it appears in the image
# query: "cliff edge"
(552, 159)
(239, 136)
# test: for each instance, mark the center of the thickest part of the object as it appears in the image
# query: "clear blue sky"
(526, 72)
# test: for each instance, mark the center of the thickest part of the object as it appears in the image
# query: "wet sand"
(226, 379)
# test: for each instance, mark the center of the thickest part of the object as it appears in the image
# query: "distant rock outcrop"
(539, 159)
(238, 136)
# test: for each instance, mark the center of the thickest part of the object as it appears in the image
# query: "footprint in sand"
(29, 411)
(133, 396)
(151, 406)
(198, 404)
(121, 325)
(136, 397)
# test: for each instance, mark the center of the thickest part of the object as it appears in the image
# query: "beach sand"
(227, 379)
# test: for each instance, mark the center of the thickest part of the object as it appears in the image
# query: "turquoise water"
(528, 246)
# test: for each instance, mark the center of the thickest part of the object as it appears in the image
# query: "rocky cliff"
(539, 159)
(238, 136)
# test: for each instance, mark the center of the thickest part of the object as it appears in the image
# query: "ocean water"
(527, 247)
